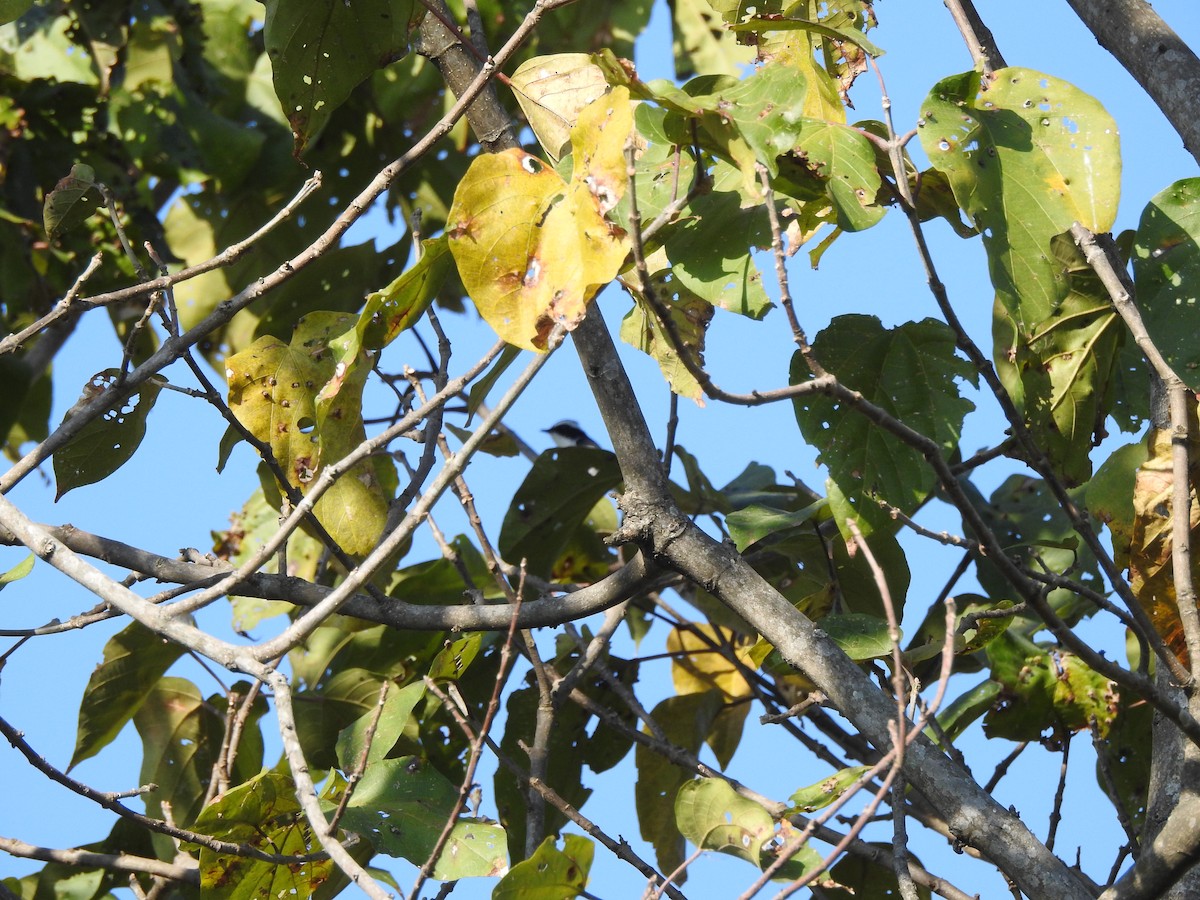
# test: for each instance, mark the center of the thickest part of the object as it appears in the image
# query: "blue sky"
(170, 497)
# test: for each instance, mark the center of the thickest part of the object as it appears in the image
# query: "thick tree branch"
(1166, 68)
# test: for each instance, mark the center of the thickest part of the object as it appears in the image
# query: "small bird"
(567, 433)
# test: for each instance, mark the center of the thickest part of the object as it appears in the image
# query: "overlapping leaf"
(550, 873)
(532, 249)
(713, 816)
(1028, 155)
(552, 91)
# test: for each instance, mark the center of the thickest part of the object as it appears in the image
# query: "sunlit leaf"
(264, 814)
(711, 815)
(17, 572)
(282, 393)
(552, 90)
(549, 873)
(1028, 155)
(827, 790)
(389, 724)
(533, 250)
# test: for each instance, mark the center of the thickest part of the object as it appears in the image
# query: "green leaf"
(323, 713)
(787, 23)
(711, 815)
(690, 315)
(686, 720)
(1050, 691)
(861, 637)
(72, 201)
(401, 806)
(701, 43)
(107, 442)
(397, 711)
(911, 372)
(11, 10)
(827, 790)
(456, 657)
(321, 50)
(17, 572)
(1027, 157)
(751, 524)
(135, 658)
(532, 249)
(181, 738)
(263, 814)
(857, 877)
(400, 305)
(1166, 264)
(1127, 750)
(1109, 496)
(554, 499)
(966, 708)
(549, 873)
(309, 410)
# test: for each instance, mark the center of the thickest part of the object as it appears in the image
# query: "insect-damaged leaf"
(321, 50)
(550, 873)
(532, 249)
(1026, 158)
(107, 442)
(1166, 264)
(273, 391)
(712, 816)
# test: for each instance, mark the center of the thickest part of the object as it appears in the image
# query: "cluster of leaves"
(200, 116)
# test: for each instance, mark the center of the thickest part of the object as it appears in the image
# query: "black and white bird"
(567, 433)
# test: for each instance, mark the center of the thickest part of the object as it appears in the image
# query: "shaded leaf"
(556, 497)
(911, 372)
(135, 658)
(107, 442)
(321, 50)
(860, 637)
(686, 720)
(1166, 266)
(401, 806)
(72, 201)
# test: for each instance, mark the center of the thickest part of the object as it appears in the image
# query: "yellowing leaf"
(552, 90)
(273, 390)
(532, 249)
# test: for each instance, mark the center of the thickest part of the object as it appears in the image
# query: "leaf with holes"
(107, 442)
(1166, 268)
(826, 791)
(532, 249)
(401, 805)
(912, 373)
(712, 816)
(321, 50)
(273, 391)
(550, 873)
(1026, 158)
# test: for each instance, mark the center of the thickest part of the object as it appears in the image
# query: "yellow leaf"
(532, 249)
(552, 90)
(273, 390)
